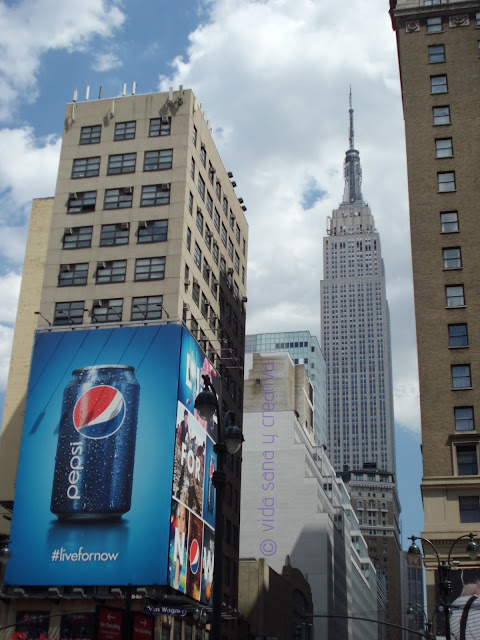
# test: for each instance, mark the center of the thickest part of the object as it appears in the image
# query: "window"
(201, 187)
(192, 169)
(457, 335)
(159, 127)
(81, 202)
(206, 271)
(203, 155)
(194, 136)
(452, 258)
(189, 239)
(464, 419)
(461, 377)
(218, 190)
(121, 163)
(204, 306)
(190, 203)
(477, 19)
(196, 292)
(86, 167)
(200, 221)
(446, 181)
(455, 295)
(225, 205)
(215, 252)
(118, 198)
(150, 269)
(216, 220)
(197, 255)
(443, 148)
(237, 233)
(230, 248)
(469, 509)
(91, 135)
(114, 234)
(107, 311)
(155, 195)
(449, 221)
(237, 262)
(467, 461)
(69, 313)
(223, 235)
(438, 84)
(77, 238)
(208, 237)
(153, 231)
(211, 172)
(158, 160)
(125, 130)
(209, 202)
(72, 275)
(436, 53)
(429, 3)
(441, 115)
(434, 25)
(147, 308)
(113, 271)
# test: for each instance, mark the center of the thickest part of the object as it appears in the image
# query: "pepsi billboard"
(114, 482)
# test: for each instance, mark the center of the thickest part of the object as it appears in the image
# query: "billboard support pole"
(230, 439)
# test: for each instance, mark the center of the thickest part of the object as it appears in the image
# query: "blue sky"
(273, 78)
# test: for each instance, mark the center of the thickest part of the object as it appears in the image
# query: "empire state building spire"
(352, 169)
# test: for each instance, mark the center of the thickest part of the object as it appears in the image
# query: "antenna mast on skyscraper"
(350, 111)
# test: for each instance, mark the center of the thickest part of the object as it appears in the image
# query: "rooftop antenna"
(170, 94)
(350, 111)
(124, 89)
(75, 95)
(87, 92)
(134, 87)
(100, 92)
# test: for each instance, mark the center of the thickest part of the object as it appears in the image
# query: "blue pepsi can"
(96, 444)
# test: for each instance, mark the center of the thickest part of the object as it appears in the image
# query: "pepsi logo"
(194, 556)
(99, 412)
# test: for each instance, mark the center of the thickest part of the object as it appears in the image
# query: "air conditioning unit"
(230, 271)
(209, 234)
(215, 281)
(208, 267)
(186, 306)
(199, 210)
(69, 231)
(232, 216)
(101, 265)
(244, 208)
(128, 190)
(213, 170)
(244, 299)
(73, 196)
(165, 187)
(143, 224)
(233, 183)
(186, 282)
(124, 225)
(195, 281)
(240, 200)
(230, 174)
(202, 145)
(64, 267)
(165, 119)
(98, 303)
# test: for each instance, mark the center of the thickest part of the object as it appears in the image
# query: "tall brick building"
(438, 51)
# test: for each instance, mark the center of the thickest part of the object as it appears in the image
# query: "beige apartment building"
(439, 55)
(145, 227)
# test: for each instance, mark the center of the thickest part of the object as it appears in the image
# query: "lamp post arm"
(413, 538)
(465, 535)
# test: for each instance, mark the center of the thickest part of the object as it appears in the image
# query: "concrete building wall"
(292, 502)
(439, 63)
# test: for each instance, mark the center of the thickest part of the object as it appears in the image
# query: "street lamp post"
(444, 570)
(427, 623)
(229, 439)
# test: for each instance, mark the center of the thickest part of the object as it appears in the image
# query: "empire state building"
(356, 346)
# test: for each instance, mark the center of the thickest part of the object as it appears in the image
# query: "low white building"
(294, 504)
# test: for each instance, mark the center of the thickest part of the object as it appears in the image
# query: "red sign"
(142, 627)
(110, 623)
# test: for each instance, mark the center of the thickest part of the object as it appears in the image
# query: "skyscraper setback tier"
(356, 347)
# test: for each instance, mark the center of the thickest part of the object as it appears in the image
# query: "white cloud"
(106, 62)
(274, 77)
(9, 290)
(6, 337)
(30, 28)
